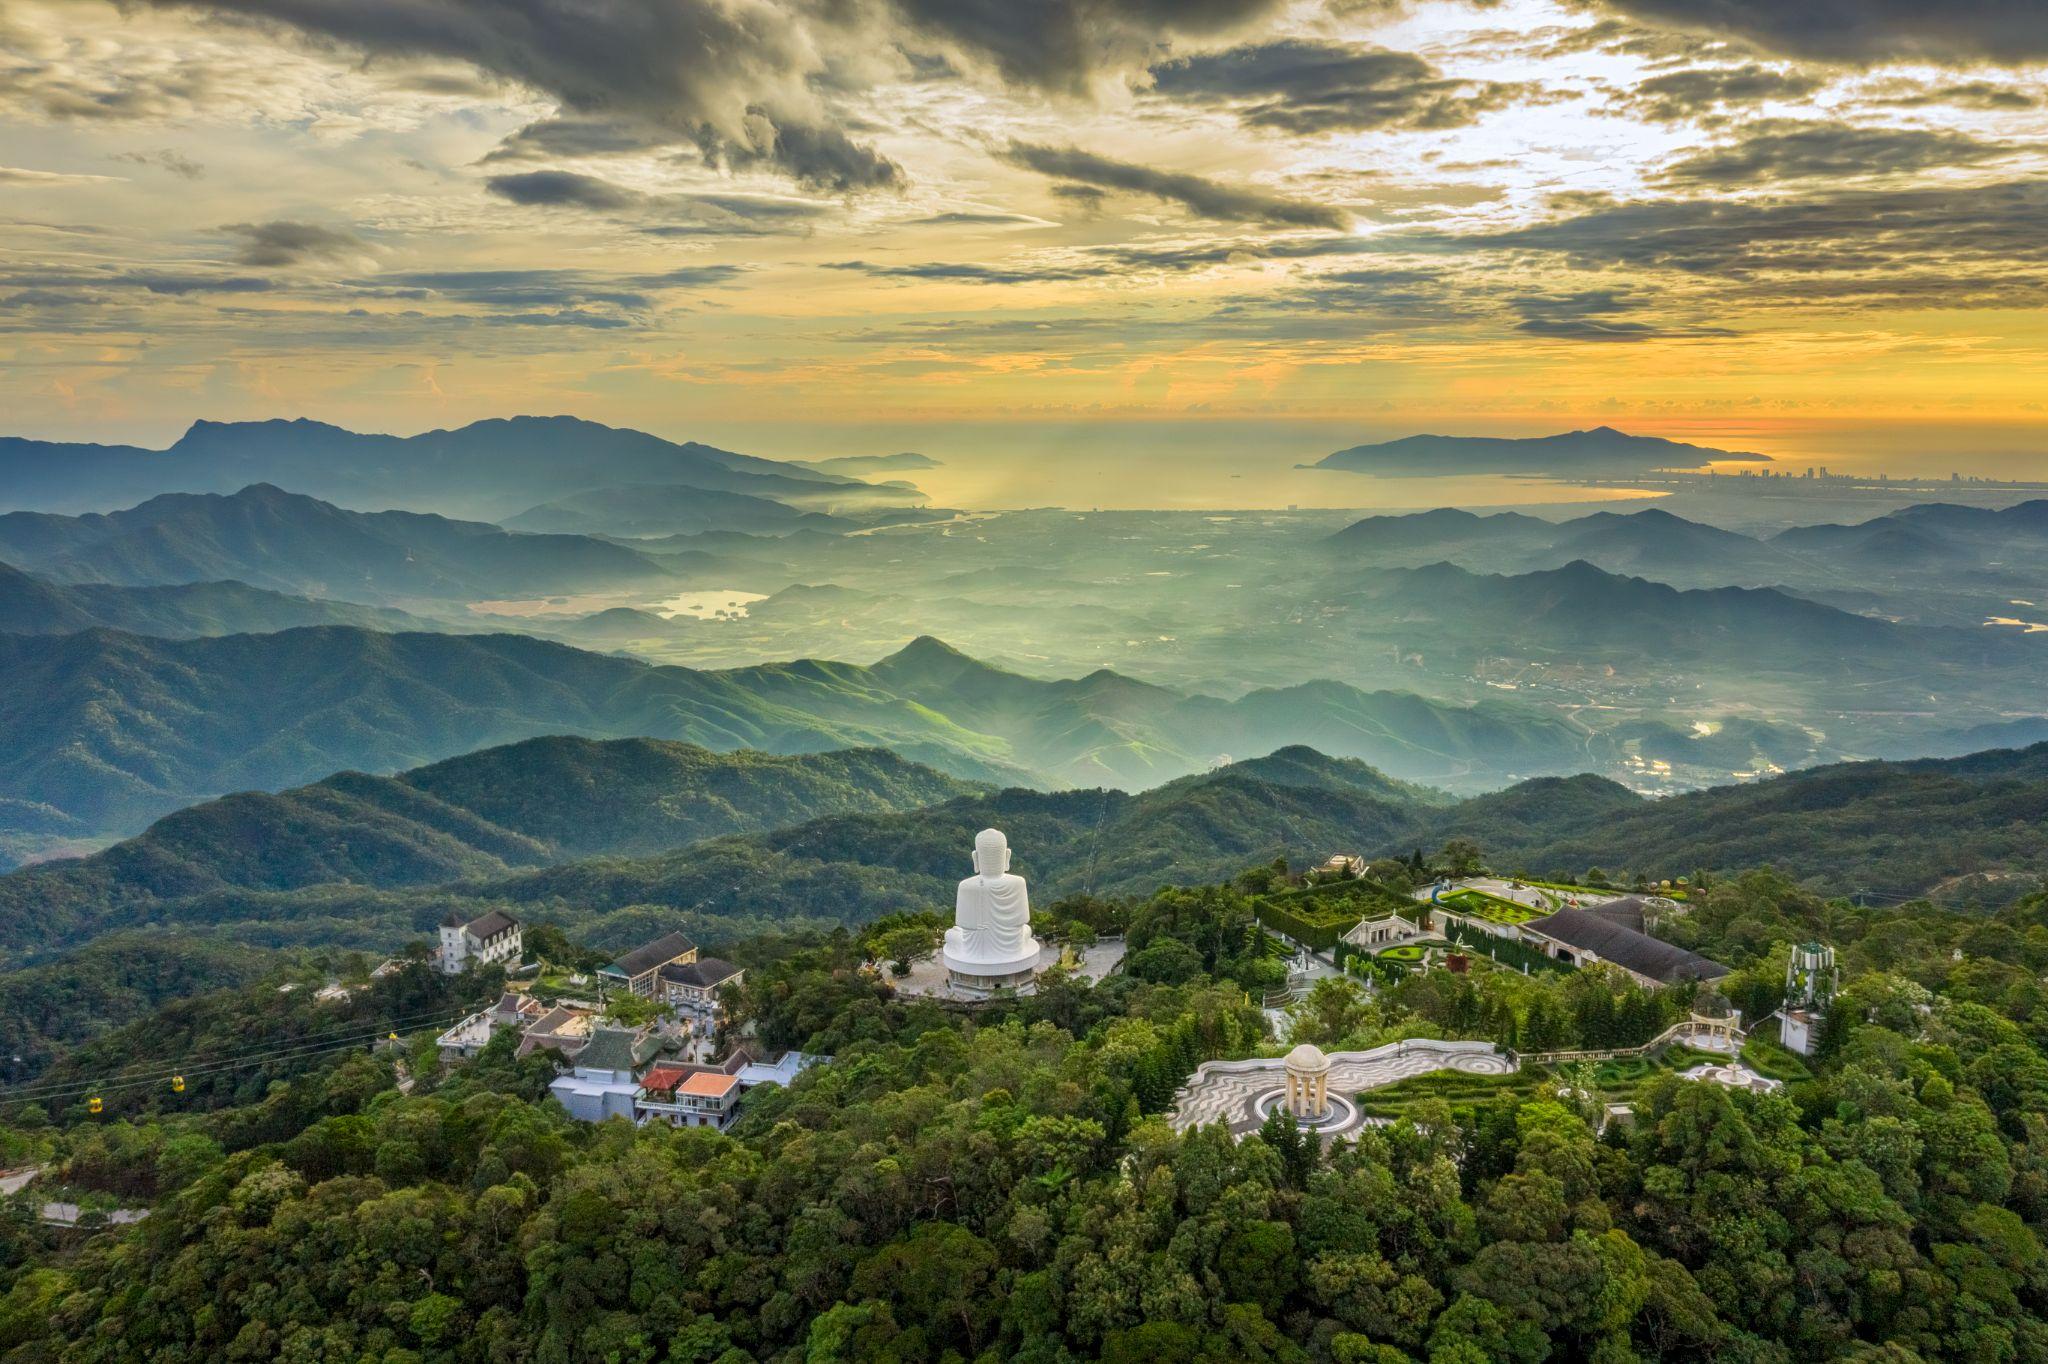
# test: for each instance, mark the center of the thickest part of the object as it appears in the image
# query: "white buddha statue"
(990, 945)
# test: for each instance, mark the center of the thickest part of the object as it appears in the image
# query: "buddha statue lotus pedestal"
(990, 947)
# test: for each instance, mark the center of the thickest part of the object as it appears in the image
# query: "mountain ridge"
(1600, 449)
(486, 469)
(292, 543)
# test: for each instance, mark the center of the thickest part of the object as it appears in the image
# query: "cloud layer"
(845, 210)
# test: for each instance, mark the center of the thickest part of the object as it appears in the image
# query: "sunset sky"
(988, 229)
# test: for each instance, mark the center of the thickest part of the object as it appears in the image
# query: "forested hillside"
(30, 606)
(477, 816)
(288, 542)
(1005, 1186)
(1967, 827)
(113, 729)
(108, 730)
(729, 842)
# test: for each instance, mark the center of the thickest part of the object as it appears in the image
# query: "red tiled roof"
(663, 1078)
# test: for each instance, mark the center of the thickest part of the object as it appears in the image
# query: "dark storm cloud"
(823, 158)
(545, 297)
(169, 159)
(964, 273)
(1966, 95)
(508, 288)
(1677, 95)
(283, 242)
(564, 189)
(1596, 315)
(1864, 31)
(177, 283)
(549, 138)
(687, 215)
(692, 277)
(1065, 45)
(1986, 237)
(1236, 250)
(1202, 197)
(970, 218)
(1302, 86)
(1775, 151)
(722, 75)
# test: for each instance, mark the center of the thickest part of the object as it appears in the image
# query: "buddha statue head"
(991, 853)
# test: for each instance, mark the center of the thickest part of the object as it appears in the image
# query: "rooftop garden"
(1492, 908)
(1616, 1081)
(1318, 915)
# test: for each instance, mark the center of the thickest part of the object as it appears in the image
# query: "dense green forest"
(1004, 1187)
(751, 842)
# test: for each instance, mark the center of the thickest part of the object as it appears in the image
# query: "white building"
(1371, 935)
(489, 938)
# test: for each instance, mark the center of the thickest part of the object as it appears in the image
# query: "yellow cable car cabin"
(93, 1105)
(177, 1084)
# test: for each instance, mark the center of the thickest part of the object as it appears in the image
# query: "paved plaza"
(1238, 1093)
(930, 979)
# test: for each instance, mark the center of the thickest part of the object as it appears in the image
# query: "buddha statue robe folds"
(990, 945)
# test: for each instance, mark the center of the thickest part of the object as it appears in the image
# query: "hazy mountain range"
(32, 606)
(1933, 563)
(1602, 450)
(484, 814)
(487, 469)
(106, 730)
(646, 511)
(287, 542)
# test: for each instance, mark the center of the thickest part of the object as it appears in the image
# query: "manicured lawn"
(1405, 952)
(1598, 893)
(1618, 1080)
(1491, 908)
(1396, 1100)
(1767, 1058)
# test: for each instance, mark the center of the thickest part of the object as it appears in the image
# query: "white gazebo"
(1308, 1083)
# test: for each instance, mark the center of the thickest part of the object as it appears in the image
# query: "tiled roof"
(1628, 911)
(487, 926)
(620, 1049)
(663, 1076)
(560, 1020)
(708, 1084)
(643, 959)
(1638, 952)
(609, 1049)
(702, 972)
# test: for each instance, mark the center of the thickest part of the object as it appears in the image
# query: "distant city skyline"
(1136, 241)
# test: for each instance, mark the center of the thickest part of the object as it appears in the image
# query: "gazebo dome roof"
(1308, 1057)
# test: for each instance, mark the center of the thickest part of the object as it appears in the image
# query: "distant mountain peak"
(1601, 449)
(928, 649)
